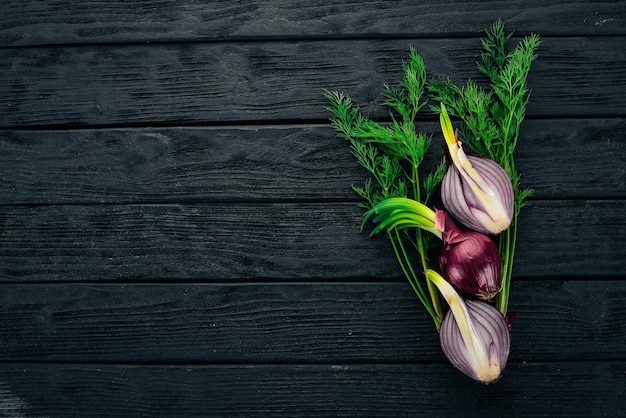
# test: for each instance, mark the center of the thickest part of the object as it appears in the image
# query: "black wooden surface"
(178, 236)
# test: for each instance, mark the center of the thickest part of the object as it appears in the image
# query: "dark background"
(178, 234)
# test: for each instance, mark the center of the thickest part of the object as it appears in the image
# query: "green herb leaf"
(392, 154)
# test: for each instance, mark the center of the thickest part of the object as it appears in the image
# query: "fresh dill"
(392, 154)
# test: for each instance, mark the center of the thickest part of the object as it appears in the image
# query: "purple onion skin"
(469, 260)
(490, 331)
(490, 216)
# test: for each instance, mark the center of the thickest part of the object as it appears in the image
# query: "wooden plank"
(286, 241)
(290, 323)
(203, 258)
(526, 390)
(572, 157)
(50, 21)
(272, 163)
(173, 84)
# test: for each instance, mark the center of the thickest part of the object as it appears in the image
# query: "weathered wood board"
(179, 237)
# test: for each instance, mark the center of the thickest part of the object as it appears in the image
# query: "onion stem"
(409, 273)
(507, 253)
(432, 289)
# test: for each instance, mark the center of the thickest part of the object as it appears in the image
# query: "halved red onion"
(476, 190)
(485, 206)
(483, 354)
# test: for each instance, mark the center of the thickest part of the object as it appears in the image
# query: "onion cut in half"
(485, 207)
(474, 335)
(491, 332)
(475, 190)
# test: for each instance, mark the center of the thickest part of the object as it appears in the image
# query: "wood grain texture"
(173, 84)
(285, 241)
(273, 163)
(178, 236)
(53, 22)
(375, 390)
(290, 323)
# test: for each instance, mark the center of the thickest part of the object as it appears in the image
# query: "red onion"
(469, 260)
(484, 354)
(476, 190)
(474, 335)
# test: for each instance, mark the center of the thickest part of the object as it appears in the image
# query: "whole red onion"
(469, 260)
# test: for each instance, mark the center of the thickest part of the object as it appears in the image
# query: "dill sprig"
(492, 119)
(392, 154)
